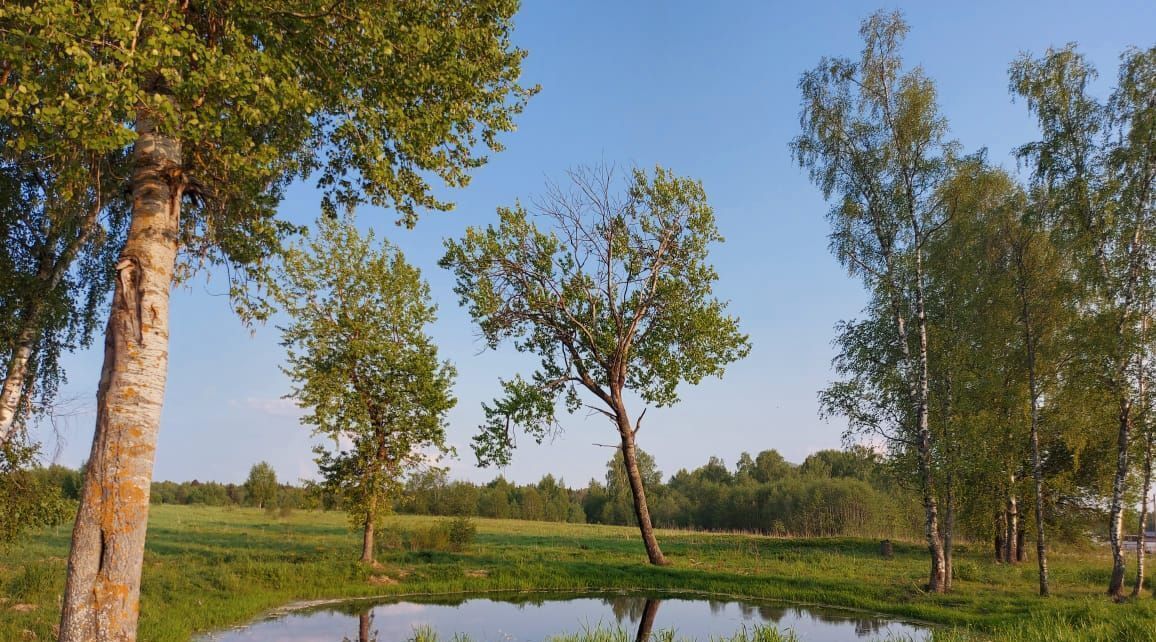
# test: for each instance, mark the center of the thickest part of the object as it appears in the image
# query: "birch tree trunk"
(1116, 521)
(101, 596)
(1146, 484)
(949, 533)
(13, 389)
(1037, 463)
(1012, 538)
(1140, 538)
(937, 582)
(634, 475)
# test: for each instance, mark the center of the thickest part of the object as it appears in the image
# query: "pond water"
(522, 618)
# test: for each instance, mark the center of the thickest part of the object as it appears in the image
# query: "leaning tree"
(215, 108)
(614, 296)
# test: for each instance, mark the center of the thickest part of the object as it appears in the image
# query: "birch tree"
(1096, 164)
(875, 144)
(363, 366)
(613, 294)
(61, 222)
(215, 108)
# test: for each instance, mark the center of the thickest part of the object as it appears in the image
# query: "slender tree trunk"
(1021, 538)
(646, 624)
(1140, 537)
(1037, 467)
(101, 596)
(998, 540)
(937, 580)
(949, 533)
(367, 534)
(1146, 484)
(634, 475)
(1116, 514)
(1011, 540)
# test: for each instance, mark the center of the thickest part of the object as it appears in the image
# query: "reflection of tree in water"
(865, 628)
(626, 607)
(634, 609)
(772, 612)
(646, 624)
(364, 624)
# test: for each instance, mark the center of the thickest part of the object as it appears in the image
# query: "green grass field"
(208, 568)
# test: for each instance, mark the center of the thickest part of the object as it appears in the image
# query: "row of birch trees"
(1004, 356)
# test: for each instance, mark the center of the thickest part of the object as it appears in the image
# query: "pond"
(536, 617)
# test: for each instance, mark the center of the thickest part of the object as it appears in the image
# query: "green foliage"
(446, 535)
(462, 532)
(30, 498)
(371, 102)
(261, 486)
(362, 365)
(612, 293)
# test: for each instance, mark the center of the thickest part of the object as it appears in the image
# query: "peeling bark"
(101, 597)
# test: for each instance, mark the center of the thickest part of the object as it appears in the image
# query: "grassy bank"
(207, 568)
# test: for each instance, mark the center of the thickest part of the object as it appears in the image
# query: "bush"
(447, 535)
(432, 538)
(462, 532)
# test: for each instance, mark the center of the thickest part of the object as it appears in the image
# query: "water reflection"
(535, 617)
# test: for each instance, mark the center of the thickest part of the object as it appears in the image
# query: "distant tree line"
(856, 492)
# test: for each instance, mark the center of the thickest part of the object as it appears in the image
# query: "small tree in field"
(261, 486)
(363, 365)
(614, 296)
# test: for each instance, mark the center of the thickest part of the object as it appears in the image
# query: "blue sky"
(707, 89)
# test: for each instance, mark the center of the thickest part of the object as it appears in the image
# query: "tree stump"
(886, 550)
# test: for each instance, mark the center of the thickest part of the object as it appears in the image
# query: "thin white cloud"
(276, 407)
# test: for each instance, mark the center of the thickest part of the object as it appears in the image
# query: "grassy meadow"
(209, 568)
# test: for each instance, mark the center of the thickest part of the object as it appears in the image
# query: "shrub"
(462, 532)
(432, 538)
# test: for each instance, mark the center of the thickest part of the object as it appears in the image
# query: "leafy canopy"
(613, 293)
(361, 362)
(371, 99)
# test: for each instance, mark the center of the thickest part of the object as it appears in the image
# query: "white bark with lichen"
(101, 598)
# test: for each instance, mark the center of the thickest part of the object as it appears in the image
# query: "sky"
(707, 89)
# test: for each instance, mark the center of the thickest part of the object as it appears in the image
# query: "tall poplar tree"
(363, 366)
(216, 107)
